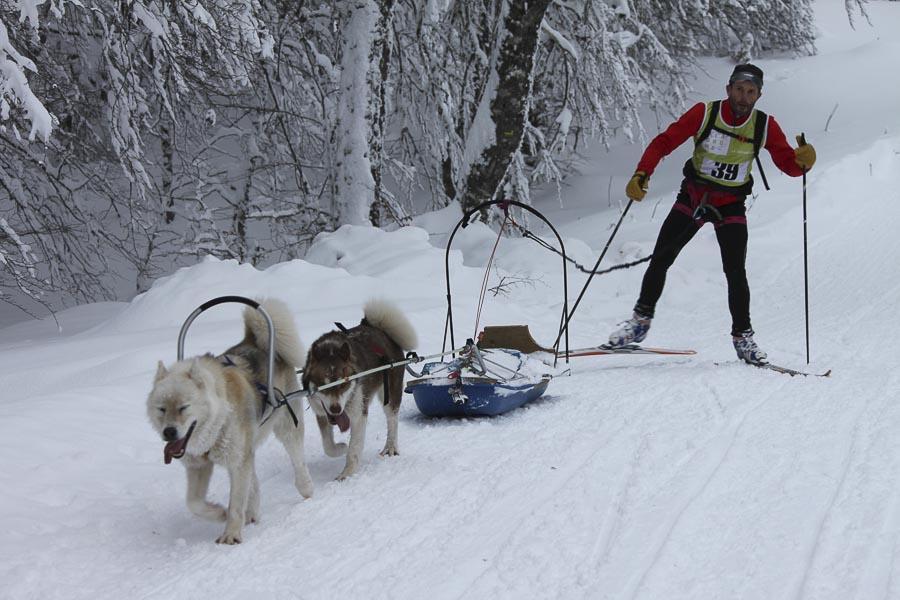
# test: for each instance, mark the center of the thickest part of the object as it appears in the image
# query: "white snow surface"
(635, 477)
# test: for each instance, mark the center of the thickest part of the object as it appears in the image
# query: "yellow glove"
(637, 186)
(805, 154)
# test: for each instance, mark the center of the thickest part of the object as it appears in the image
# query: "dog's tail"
(391, 320)
(288, 346)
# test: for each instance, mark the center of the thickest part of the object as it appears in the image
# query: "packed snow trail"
(637, 477)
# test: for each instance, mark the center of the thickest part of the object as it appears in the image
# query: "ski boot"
(746, 348)
(632, 331)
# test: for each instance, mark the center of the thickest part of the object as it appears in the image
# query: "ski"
(629, 349)
(787, 371)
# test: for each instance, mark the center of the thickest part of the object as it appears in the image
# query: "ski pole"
(565, 326)
(805, 258)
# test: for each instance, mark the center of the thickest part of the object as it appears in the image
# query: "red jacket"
(688, 125)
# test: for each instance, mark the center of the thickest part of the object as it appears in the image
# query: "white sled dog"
(208, 409)
(382, 336)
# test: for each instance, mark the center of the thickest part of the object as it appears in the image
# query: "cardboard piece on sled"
(514, 337)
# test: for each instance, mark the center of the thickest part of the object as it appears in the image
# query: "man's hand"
(805, 154)
(637, 185)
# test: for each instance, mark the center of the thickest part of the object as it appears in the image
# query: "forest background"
(139, 136)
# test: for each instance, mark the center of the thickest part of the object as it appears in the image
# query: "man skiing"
(727, 136)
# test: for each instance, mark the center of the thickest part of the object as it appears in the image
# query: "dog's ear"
(344, 351)
(160, 372)
(195, 373)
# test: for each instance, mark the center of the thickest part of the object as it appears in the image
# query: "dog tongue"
(174, 449)
(177, 448)
(343, 421)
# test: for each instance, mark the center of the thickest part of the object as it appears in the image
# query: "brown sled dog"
(382, 336)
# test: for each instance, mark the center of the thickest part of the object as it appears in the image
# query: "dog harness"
(264, 395)
(385, 360)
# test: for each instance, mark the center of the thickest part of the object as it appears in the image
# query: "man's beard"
(740, 110)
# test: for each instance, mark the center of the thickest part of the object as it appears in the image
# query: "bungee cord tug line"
(524, 339)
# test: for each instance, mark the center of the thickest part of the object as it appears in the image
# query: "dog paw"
(251, 518)
(305, 488)
(229, 539)
(390, 451)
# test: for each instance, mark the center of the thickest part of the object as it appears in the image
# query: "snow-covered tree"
(140, 134)
(852, 6)
(496, 132)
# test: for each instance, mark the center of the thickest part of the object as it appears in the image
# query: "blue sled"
(472, 396)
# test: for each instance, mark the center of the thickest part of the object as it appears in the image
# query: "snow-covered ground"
(634, 477)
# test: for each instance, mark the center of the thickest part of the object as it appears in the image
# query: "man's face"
(742, 96)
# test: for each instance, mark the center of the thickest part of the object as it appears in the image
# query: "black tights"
(677, 230)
